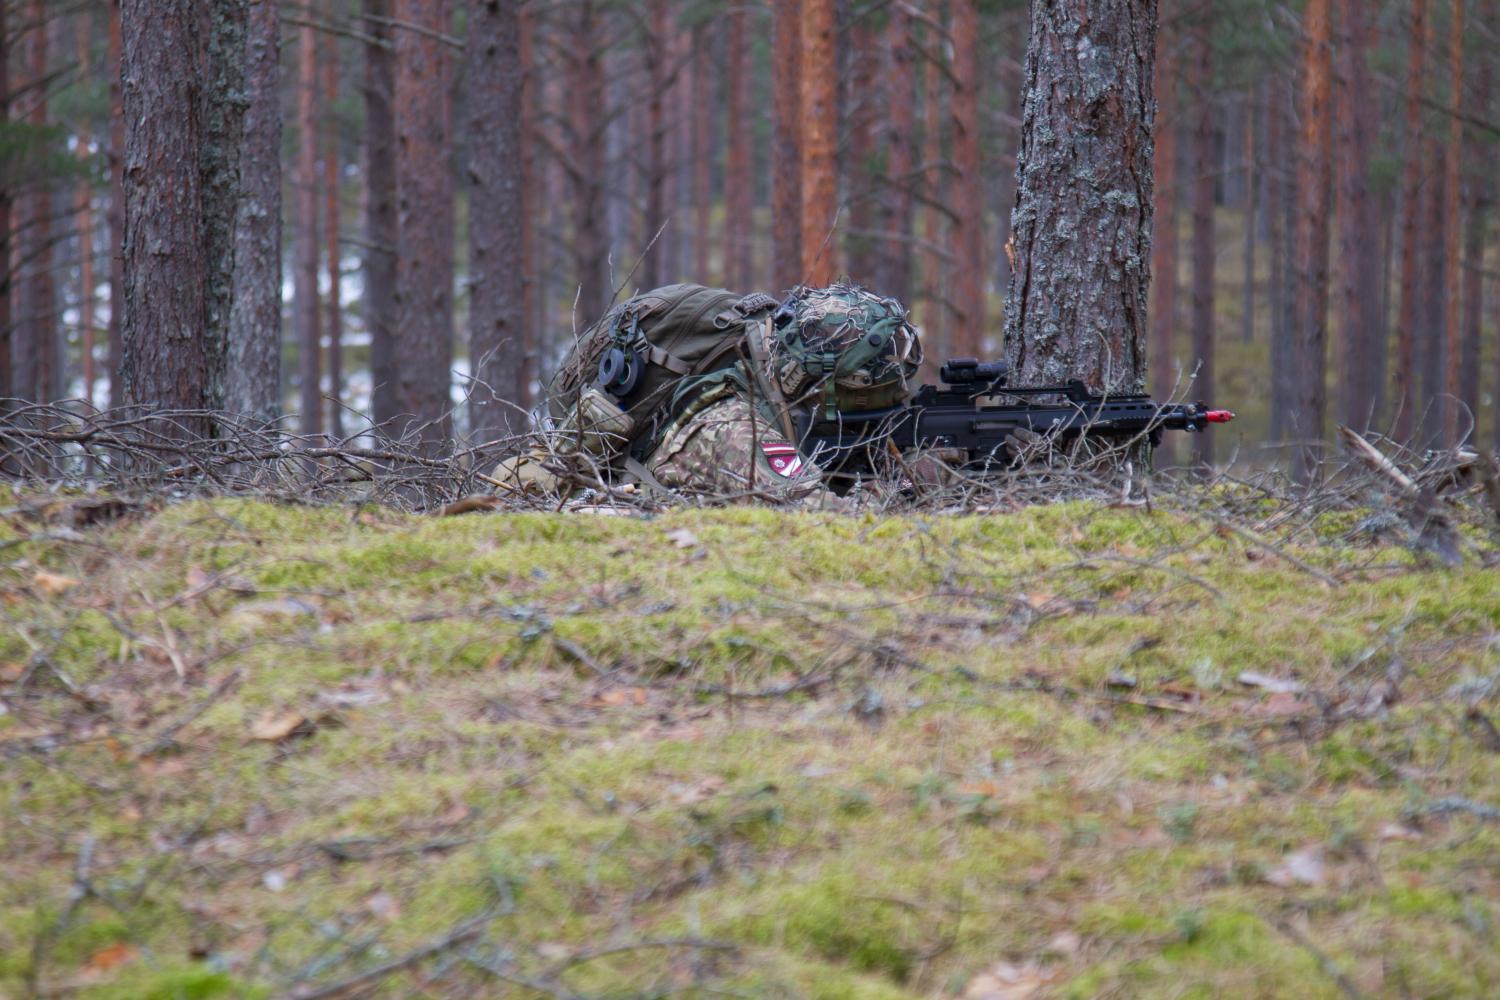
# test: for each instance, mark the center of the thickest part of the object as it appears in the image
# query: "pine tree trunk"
(116, 219)
(331, 253)
(1359, 241)
(1082, 223)
(861, 111)
(739, 189)
(936, 263)
(424, 223)
(380, 211)
(591, 238)
(1431, 340)
(969, 270)
(1161, 356)
(306, 311)
(7, 332)
(531, 194)
(657, 247)
(1405, 396)
(497, 350)
(1279, 199)
(1204, 181)
(35, 352)
(1454, 424)
(818, 90)
(165, 364)
(702, 139)
(1481, 200)
(1252, 207)
(1314, 163)
(900, 143)
(83, 213)
(253, 376)
(786, 146)
(223, 134)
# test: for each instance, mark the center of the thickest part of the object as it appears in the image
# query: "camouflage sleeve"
(729, 450)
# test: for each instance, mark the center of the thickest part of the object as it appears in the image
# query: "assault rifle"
(974, 412)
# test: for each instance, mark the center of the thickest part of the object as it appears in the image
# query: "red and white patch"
(784, 459)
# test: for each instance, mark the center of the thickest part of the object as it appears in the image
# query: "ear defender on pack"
(619, 370)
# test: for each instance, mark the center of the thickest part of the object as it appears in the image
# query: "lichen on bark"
(1082, 220)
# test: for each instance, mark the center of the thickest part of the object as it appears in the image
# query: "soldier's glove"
(1024, 443)
(528, 473)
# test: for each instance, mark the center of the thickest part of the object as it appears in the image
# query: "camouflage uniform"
(726, 445)
(727, 449)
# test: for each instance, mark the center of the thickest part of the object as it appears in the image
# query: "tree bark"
(1314, 161)
(739, 187)
(1082, 222)
(1454, 424)
(1205, 148)
(380, 211)
(591, 238)
(935, 264)
(1162, 353)
(223, 133)
(424, 223)
(83, 213)
(531, 193)
(497, 351)
(253, 377)
(1481, 200)
(305, 306)
(35, 348)
(1405, 397)
(702, 141)
(1359, 264)
(1279, 209)
(786, 146)
(116, 219)
(861, 111)
(1252, 208)
(165, 363)
(331, 253)
(7, 331)
(657, 249)
(968, 186)
(901, 121)
(818, 89)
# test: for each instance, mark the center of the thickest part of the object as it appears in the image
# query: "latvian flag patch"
(783, 458)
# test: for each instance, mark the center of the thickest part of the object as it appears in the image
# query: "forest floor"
(1223, 747)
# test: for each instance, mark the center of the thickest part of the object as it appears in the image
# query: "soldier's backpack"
(610, 395)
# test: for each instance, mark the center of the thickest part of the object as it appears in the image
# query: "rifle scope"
(966, 371)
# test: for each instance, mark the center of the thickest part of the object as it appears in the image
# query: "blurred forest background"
(415, 174)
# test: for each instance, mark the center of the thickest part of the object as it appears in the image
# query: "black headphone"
(620, 370)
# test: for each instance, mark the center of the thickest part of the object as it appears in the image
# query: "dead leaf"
(688, 795)
(383, 906)
(622, 696)
(53, 584)
(468, 505)
(1005, 981)
(682, 538)
(1065, 943)
(259, 612)
(1265, 682)
(274, 726)
(110, 957)
(1283, 703)
(1399, 831)
(988, 789)
(1304, 867)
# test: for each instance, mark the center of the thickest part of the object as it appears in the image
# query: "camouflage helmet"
(856, 349)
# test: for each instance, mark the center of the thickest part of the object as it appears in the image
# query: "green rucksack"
(637, 355)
